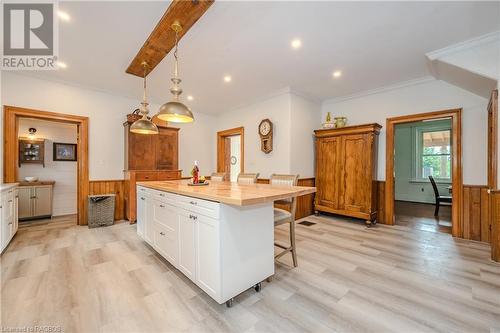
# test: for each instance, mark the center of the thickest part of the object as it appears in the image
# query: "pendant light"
(144, 125)
(175, 111)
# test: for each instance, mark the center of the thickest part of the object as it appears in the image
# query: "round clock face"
(265, 128)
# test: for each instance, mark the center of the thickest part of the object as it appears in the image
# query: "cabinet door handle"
(162, 233)
(193, 202)
(10, 200)
(10, 223)
(162, 206)
(194, 217)
(162, 194)
(142, 198)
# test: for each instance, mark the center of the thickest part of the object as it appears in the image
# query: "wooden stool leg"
(292, 242)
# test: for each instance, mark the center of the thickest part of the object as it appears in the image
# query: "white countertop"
(7, 186)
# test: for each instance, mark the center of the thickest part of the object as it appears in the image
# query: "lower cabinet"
(35, 201)
(223, 249)
(187, 239)
(8, 216)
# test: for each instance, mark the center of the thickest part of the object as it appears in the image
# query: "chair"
(439, 198)
(218, 177)
(247, 178)
(282, 216)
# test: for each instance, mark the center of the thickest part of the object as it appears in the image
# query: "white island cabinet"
(220, 236)
(222, 249)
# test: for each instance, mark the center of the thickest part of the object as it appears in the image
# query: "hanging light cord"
(176, 71)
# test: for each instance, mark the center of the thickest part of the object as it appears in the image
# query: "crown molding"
(465, 45)
(387, 88)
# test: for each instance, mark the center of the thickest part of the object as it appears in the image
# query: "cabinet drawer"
(168, 175)
(203, 207)
(166, 242)
(142, 176)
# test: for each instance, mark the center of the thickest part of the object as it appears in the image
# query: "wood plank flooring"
(349, 279)
(421, 216)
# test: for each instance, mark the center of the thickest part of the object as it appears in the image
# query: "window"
(434, 154)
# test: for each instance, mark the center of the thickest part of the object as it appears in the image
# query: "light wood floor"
(349, 279)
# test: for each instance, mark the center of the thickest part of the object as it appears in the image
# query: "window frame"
(418, 154)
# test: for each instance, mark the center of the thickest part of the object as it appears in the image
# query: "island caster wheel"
(229, 303)
(258, 287)
(368, 224)
(316, 213)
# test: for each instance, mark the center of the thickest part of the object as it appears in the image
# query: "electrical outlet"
(422, 189)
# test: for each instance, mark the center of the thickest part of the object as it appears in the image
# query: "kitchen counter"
(7, 186)
(230, 193)
(37, 183)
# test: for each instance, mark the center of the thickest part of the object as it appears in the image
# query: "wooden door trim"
(493, 145)
(221, 135)
(10, 157)
(457, 180)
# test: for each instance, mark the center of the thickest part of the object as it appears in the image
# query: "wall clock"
(266, 136)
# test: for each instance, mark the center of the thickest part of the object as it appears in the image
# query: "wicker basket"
(101, 210)
(134, 116)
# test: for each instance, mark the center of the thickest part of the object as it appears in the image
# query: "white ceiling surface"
(375, 44)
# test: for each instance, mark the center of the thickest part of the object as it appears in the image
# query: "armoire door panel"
(142, 152)
(355, 188)
(166, 158)
(328, 152)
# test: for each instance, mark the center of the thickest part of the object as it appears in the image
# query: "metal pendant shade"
(144, 125)
(175, 111)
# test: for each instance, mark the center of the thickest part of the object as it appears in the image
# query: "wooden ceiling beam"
(162, 38)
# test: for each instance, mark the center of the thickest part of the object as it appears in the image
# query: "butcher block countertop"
(37, 183)
(230, 193)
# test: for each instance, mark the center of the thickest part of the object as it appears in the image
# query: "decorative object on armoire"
(144, 125)
(175, 111)
(340, 122)
(64, 152)
(346, 169)
(134, 116)
(35, 199)
(31, 151)
(266, 136)
(328, 122)
(148, 157)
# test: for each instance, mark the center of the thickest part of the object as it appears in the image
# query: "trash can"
(101, 210)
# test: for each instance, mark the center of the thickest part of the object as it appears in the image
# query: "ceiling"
(374, 44)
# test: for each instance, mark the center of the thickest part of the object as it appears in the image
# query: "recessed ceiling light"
(61, 64)
(63, 16)
(296, 43)
(227, 78)
(190, 98)
(337, 74)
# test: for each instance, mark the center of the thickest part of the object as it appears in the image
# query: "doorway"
(455, 156)
(422, 174)
(230, 152)
(12, 116)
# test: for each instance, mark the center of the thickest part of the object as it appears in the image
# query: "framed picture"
(64, 151)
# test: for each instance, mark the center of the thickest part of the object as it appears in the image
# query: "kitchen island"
(221, 236)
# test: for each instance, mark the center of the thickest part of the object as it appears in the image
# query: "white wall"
(277, 109)
(106, 114)
(426, 96)
(305, 118)
(64, 173)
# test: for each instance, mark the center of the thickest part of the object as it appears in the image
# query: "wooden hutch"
(149, 157)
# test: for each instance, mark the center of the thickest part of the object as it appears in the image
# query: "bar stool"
(247, 178)
(282, 216)
(218, 177)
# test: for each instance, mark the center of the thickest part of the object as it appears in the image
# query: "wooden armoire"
(149, 157)
(346, 169)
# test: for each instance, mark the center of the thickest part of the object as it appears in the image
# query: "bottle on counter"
(195, 172)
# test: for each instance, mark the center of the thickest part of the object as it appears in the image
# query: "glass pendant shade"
(175, 112)
(144, 126)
